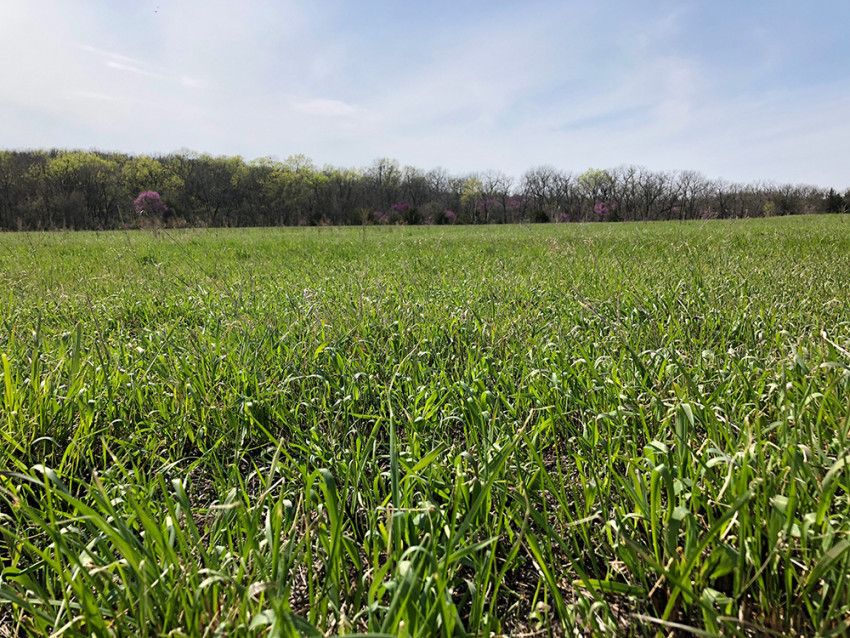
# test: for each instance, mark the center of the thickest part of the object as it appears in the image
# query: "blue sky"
(741, 90)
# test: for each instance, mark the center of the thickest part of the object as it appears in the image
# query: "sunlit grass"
(432, 431)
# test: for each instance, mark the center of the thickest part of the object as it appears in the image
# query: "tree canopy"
(61, 189)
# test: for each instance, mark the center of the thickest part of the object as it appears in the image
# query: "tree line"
(91, 190)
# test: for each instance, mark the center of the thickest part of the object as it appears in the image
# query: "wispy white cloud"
(115, 57)
(118, 66)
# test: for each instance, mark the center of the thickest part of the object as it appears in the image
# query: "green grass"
(592, 429)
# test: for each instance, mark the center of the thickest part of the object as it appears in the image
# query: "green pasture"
(600, 429)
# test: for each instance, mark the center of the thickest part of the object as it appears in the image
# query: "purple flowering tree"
(604, 210)
(514, 206)
(406, 213)
(486, 207)
(446, 217)
(149, 203)
(600, 210)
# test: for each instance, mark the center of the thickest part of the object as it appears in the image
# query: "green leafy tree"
(472, 192)
(84, 189)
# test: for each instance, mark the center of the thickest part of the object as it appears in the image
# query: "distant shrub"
(446, 217)
(149, 203)
(540, 216)
(412, 216)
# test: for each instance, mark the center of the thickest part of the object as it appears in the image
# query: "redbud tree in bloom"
(604, 209)
(149, 203)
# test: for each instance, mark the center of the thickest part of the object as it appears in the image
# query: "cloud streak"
(109, 55)
(118, 66)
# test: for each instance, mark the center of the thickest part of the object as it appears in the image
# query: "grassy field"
(547, 430)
